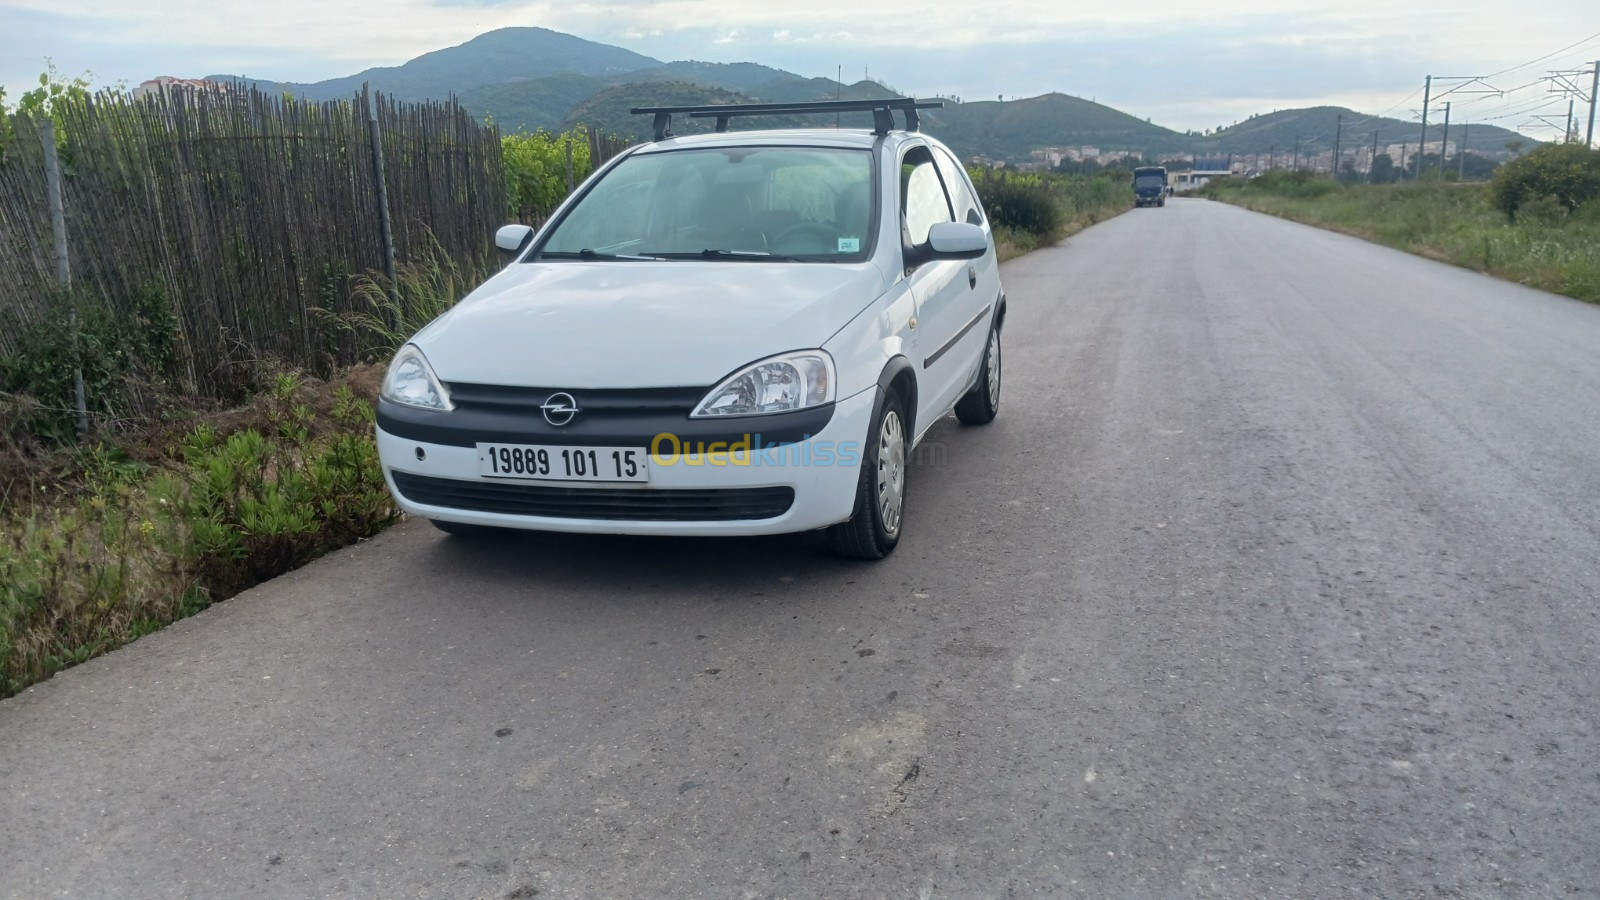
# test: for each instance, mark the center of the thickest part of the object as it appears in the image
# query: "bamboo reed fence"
(251, 214)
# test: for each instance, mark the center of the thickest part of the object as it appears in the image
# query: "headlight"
(780, 384)
(411, 381)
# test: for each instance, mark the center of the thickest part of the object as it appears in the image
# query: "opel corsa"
(731, 333)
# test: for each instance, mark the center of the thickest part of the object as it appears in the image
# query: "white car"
(734, 333)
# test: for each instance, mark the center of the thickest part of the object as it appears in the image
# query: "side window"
(955, 178)
(925, 202)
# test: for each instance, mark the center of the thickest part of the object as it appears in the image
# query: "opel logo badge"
(559, 409)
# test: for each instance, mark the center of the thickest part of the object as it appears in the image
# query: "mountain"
(1315, 127)
(501, 57)
(532, 78)
(1012, 129)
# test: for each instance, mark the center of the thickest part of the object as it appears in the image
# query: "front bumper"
(822, 471)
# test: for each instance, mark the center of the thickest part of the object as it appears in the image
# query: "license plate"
(546, 463)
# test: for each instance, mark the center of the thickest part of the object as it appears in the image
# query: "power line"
(1528, 107)
(1546, 56)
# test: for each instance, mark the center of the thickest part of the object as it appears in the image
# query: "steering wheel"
(823, 233)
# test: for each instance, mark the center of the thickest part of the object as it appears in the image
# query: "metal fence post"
(385, 229)
(58, 230)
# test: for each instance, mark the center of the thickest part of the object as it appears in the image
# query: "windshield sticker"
(849, 245)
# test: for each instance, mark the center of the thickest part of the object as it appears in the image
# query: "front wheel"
(873, 530)
(982, 403)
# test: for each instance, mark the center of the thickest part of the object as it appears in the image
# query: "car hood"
(641, 324)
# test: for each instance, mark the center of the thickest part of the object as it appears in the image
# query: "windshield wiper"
(592, 254)
(717, 253)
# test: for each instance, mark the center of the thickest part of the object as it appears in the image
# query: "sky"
(1181, 63)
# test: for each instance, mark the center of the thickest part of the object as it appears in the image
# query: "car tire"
(873, 530)
(465, 529)
(1161, 202)
(982, 403)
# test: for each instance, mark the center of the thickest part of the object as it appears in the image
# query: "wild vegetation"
(109, 541)
(1034, 209)
(1536, 222)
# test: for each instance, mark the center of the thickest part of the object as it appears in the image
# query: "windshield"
(727, 203)
(1148, 181)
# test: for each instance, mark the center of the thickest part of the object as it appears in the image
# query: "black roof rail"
(882, 117)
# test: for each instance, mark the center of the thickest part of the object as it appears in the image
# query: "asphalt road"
(1276, 577)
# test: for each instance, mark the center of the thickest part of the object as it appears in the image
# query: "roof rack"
(882, 112)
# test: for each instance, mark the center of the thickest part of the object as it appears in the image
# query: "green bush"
(1030, 209)
(536, 170)
(1022, 202)
(123, 357)
(1568, 172)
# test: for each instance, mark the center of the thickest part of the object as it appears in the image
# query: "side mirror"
(957, 240)
(512, 238)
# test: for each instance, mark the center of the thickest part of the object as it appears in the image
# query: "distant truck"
(1150, 186)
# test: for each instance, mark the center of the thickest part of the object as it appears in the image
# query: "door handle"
(972, 277)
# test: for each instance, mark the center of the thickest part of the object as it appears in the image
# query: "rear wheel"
(873, 530)
(982, 403)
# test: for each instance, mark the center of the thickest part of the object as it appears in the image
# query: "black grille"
(637, 504)
(609, 401)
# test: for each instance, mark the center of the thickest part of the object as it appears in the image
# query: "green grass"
(1545, 247)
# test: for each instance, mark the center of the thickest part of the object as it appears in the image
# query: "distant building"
(163, 85)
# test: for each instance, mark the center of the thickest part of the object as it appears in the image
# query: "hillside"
(1316, 126)
(533, 104)
(501, 57)
(746, 78)
(1011, 129)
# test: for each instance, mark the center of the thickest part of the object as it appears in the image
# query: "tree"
(1477, 168)
(1568, 172)
(1383, 169)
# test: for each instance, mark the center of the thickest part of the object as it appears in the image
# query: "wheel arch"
(899, 377)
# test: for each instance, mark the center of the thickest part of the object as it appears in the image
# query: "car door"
(943, 289)
(984, 271)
